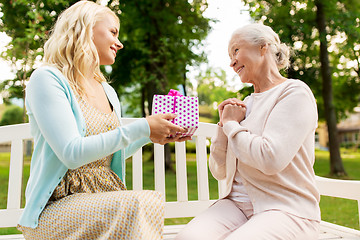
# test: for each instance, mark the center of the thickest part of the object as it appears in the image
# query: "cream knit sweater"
(274, 147)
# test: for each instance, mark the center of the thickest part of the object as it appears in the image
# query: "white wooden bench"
(16, 134)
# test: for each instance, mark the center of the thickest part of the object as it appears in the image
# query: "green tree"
(12, 115)
(212, 89)
(159, 38)
(324, 35)
(27, 23)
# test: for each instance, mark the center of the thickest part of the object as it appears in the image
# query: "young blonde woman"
(77, 176)
(263, 150)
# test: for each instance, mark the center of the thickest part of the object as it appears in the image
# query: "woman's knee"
(216, 222)
(276, 224)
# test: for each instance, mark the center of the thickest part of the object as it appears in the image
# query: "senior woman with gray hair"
(263, 150)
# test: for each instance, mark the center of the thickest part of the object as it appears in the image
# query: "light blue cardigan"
(58, 128)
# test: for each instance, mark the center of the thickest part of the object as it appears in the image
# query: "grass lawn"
(339, 211)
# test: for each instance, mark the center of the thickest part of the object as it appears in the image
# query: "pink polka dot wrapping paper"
(186, 108)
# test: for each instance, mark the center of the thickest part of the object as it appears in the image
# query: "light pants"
(230, 220)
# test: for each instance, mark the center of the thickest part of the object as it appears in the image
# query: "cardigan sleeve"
(50, 101)
(133, 147)
(114, 100)
(291, 120)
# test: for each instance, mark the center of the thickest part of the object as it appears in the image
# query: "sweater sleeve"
(217, 159)
(49, 103)
(292, 119)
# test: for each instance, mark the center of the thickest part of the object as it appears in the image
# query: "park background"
(182, 45)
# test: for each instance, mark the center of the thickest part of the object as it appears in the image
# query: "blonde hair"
(70, 47)
(260, 34)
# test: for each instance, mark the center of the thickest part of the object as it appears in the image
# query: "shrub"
(12, 115)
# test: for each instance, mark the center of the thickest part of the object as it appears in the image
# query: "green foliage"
(13, 88)
(212, 89)
(12, 115)
(28, 23)
(206, 114)
(2, 109)
(295, 22)
(246, 91)
(159, 37)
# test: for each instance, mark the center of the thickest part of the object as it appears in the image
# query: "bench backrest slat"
(202, 168)
(181, 175)
(137, 170)
(159, 168)
(15, 174)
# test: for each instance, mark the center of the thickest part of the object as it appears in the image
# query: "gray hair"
(260, 34)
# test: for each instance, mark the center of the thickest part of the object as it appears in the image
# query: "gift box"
(186, 108)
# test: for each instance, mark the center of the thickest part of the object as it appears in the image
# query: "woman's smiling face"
(245, 58)
(105, 38)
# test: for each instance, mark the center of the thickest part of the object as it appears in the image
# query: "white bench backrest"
(16, 134)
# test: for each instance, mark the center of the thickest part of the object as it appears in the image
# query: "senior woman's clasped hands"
(231, 109)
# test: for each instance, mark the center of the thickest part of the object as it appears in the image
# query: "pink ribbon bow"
(175, 94)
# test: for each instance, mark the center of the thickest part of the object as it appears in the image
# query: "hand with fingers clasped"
(231, 109)
(161, 128)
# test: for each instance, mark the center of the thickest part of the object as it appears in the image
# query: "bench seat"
(327, 231)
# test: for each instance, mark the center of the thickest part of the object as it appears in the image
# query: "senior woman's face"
(245, 59)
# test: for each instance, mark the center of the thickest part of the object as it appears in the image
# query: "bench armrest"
(349, 189)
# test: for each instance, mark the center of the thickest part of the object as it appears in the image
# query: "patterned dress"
(90, 201)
